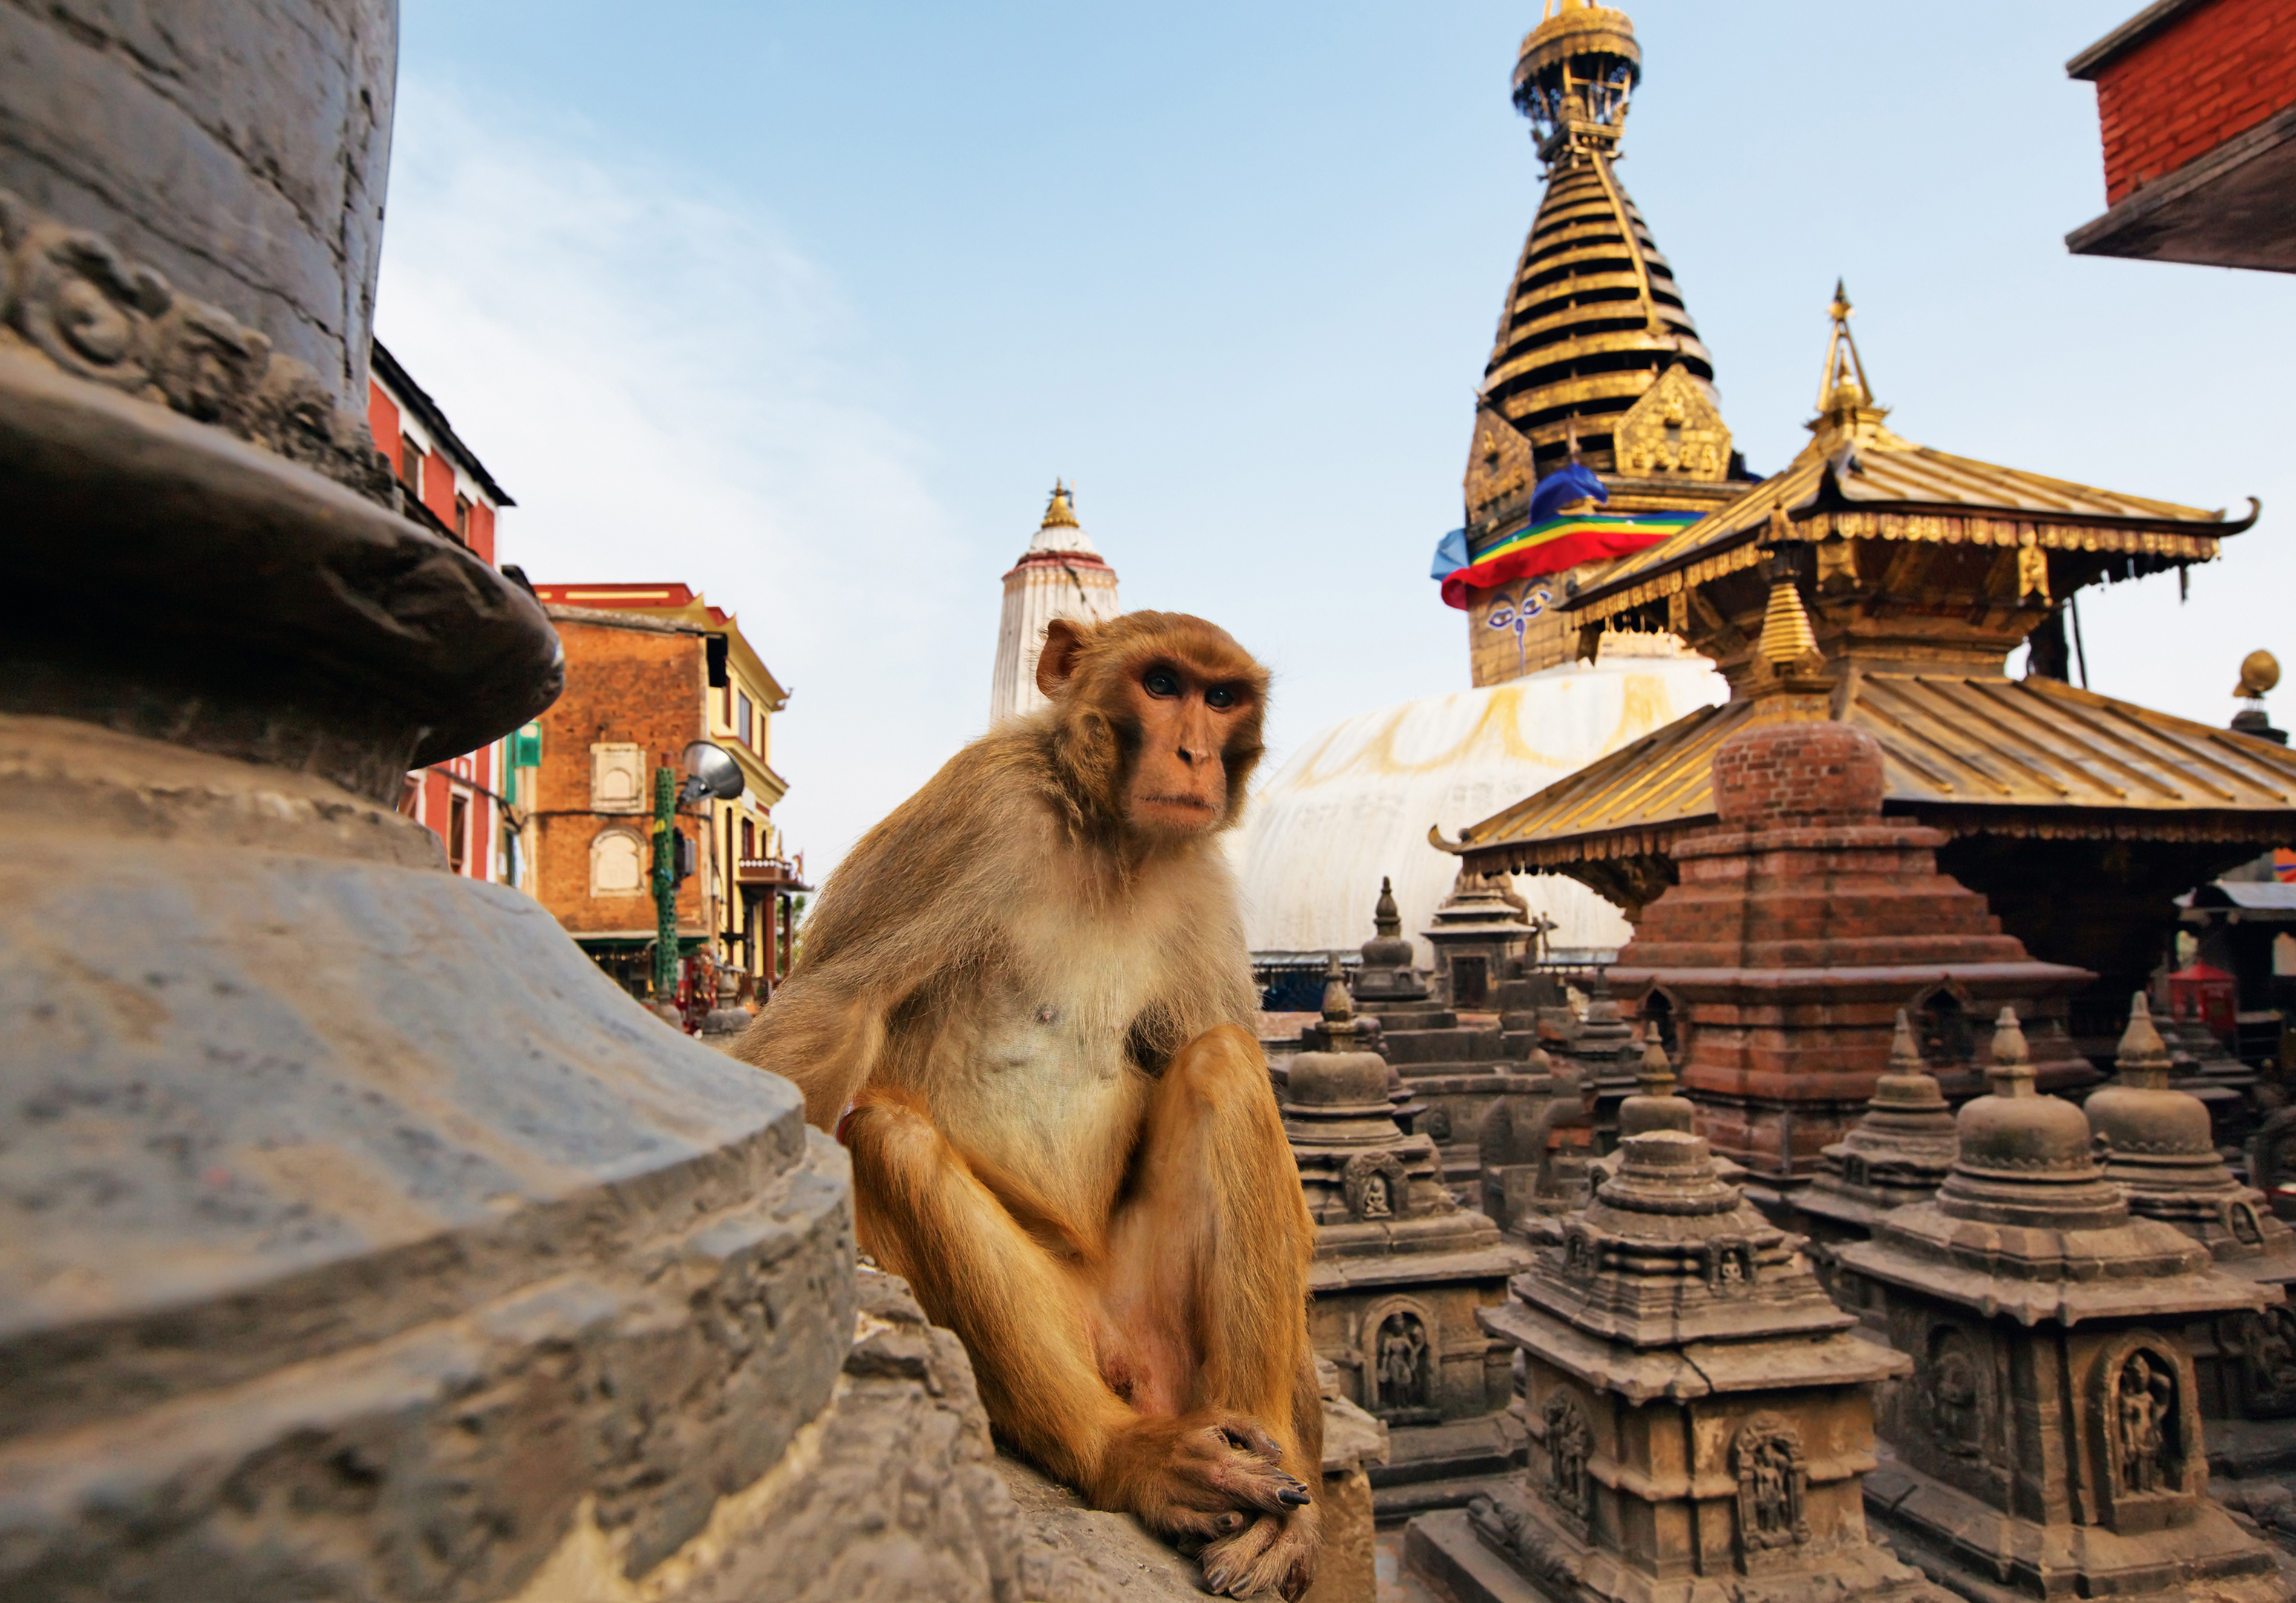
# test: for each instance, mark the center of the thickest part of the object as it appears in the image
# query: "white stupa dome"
(1354, 801)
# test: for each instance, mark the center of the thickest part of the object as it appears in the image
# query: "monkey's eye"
(1161, 682)
(1220, 697)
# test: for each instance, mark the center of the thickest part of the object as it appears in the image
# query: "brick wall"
(640, 686)
(2220, 68)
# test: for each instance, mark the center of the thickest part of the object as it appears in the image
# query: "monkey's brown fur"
(1029, 988)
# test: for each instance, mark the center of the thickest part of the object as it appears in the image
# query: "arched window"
(617, 864)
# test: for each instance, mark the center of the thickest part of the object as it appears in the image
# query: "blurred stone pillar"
(357, 1238)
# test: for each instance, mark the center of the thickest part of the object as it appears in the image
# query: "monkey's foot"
(1275, 1553)
(1199, 1477)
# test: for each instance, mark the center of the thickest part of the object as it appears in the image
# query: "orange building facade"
(651, 668)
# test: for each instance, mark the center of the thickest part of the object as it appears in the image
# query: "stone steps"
(1442, 1046)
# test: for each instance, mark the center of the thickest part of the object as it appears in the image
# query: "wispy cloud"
(671, 391)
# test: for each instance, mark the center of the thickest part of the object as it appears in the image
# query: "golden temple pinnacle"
(1594, 318)
(1059, 512)
(1787, 634)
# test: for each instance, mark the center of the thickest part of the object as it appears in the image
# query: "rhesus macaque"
(1025, 1006)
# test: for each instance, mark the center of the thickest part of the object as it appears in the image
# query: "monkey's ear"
(1063, 642)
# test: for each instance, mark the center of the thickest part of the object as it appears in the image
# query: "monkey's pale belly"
(1060, 1114)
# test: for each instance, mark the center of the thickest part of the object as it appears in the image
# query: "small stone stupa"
(1534, 1144)
(2050, 1443)
(1401, 1267)
(1386, 982)
(1481, 933)
(1699, 1414)
(1452, 1070)
(2156, 1144)
(1398, 1263)
(1604, 1046)
(1898, 1153)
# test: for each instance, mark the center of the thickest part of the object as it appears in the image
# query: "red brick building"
(649, 669)
(466, 801)
(2196, 101)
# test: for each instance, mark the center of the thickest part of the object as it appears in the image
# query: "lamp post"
(665, 886)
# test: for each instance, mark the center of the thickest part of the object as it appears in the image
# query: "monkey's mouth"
(1193, 804)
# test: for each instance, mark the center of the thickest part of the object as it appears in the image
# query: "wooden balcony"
(772, 873)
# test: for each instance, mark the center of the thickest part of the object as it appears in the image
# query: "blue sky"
(808, 306)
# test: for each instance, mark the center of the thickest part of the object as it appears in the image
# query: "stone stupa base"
(1512, 1547)
(1989, 1556)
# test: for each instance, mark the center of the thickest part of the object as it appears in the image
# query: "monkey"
(1025, 1006)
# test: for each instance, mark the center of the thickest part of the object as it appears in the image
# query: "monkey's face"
(1186, 717)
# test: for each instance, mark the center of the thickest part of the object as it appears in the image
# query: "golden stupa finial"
(2259, 671)
(1786, 636)
(1059, 512)
(1843, 389)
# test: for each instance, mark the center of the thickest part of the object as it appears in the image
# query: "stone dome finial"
(2027, 1159)
(1386, 918)
(1657, 1075)
(2144, 1056)
(1656, 1107)
(1338, 1007)
(2011, 1072)
(1907, 1086)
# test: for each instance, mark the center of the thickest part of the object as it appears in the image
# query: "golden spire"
(1843, 387)
(1786, 636)
(1593, 316)
(1060, 511)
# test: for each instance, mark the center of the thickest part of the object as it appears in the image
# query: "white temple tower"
(1059, 575)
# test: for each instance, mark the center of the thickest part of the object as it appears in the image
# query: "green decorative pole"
(665, 886)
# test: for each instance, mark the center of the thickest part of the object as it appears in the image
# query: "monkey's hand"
(1215, 1477)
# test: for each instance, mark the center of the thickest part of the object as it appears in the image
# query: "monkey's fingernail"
(1291, 1499)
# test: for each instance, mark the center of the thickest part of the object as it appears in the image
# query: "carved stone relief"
(2266, 1343)
(1405, 1364)
(1772, 1479)
(1954, 1390)
(1570, 1444)
(1376, 1187)
(68, 295)
(1729, 1266)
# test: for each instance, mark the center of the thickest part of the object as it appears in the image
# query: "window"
(410, 466)
(463, 519)
(617, 778)
(617, 864)
(458, 831)
(748, 838)
(742, 713)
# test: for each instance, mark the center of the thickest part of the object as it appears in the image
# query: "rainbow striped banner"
(1560, 542)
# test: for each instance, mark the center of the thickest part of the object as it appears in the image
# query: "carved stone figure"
(1772, 1475)
(1954, 1385)
(1402, 1363)
(2147, 1394)
(1569, 1444)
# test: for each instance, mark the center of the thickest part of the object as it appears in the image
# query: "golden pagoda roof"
(1856, 478)
(2022, 757)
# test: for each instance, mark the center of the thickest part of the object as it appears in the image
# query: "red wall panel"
(2216, 70)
